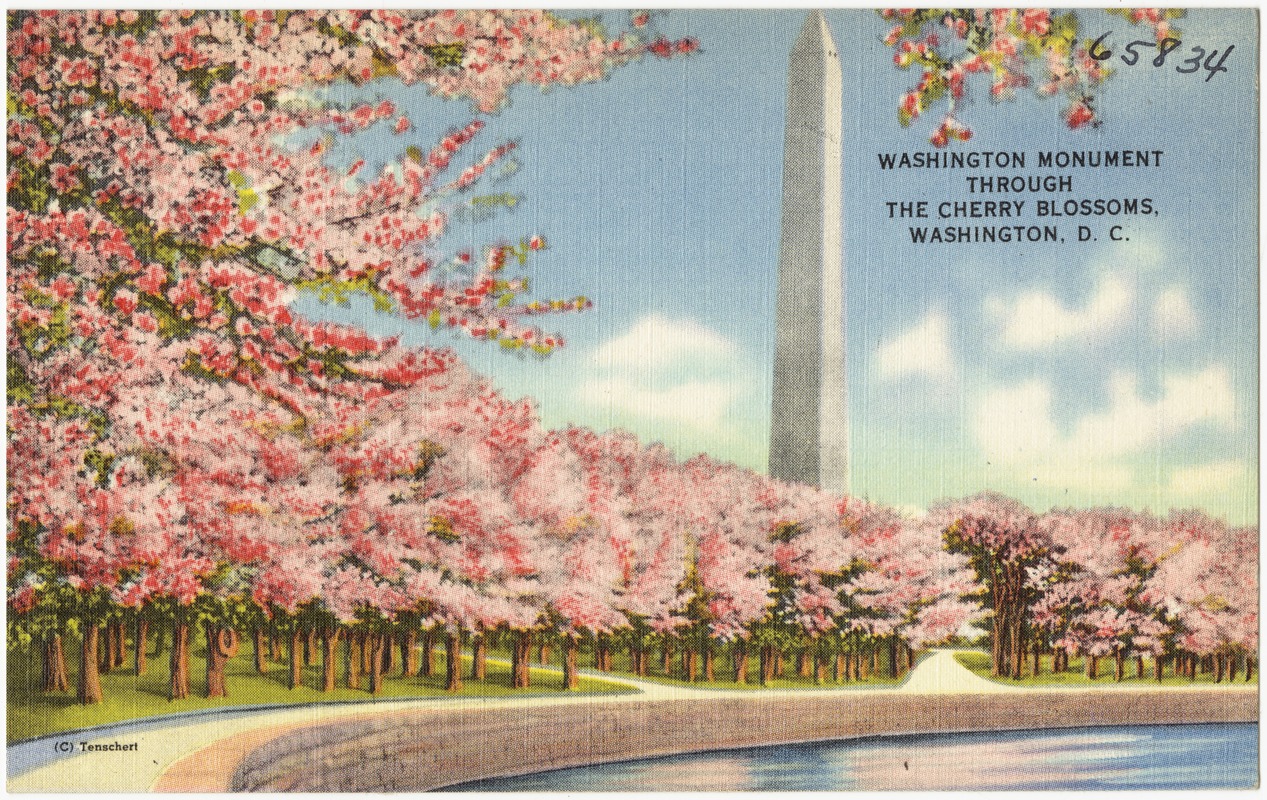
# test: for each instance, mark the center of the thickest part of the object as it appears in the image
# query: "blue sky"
(1101, 373)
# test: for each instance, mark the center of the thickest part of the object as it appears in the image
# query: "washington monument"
(809, 427)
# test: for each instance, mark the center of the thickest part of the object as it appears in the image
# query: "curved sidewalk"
(203, 753)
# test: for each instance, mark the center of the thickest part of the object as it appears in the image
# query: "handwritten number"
(1134, 56)
(1095, 52)
(1165, 47)
(1195, 61)
(1219, 66)
(1213, 63)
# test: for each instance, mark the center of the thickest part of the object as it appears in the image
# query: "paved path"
(940, 673)
(43, 766)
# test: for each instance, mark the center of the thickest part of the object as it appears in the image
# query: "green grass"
(32, 713)
(979, 664)
(724, 671)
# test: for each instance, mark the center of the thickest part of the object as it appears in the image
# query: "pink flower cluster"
(1002, 43)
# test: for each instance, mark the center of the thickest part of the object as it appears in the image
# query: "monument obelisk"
(809, 426)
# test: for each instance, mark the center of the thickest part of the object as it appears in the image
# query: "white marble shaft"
(809, 428)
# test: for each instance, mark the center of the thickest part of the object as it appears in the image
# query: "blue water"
(1216, 756)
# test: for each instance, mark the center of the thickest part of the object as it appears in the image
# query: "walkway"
(69, 763)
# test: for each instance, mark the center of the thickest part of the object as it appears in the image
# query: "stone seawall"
(429, 749)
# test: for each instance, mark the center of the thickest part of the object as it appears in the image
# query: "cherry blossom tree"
(1003, 542)
(161, 220)
(1014, 49)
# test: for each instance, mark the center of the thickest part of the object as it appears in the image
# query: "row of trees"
(180, 431)
(187, 453)
(1109, 582)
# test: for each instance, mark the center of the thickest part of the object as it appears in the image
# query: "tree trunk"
(453, 660)
(1232, 667)
(479, 658)
(89, 685)
(1119, 665)
(516, 653)
(838, 672)
(1038, 659)
(427, 668)
(706, 655)
(310, 647)
(864, 664)
(221, 646)
(54, 663)
(1018, 646)
(767, 665)
(142, 635)
(105, 657)
(258, 644)
(997, 666)
(374, 646)
(179, 668)
(1219, 661)
(820, 668)
(159, 638)
(543, 654)
(803, 663)
(601, 652)
(739, 660)
(778, 663)
(1139, 666)
(689, 664)
(1159, 665)
(571, 678)
(521, 675)
(355, 641)
(329, 658)
(296, 658)
(893, 666)
(408, 652)
(1093, 667)
(121, 645)
(666, 656)
(388, 654)
(368, 651)
(875, 660)
(1249, 668)
(275, 646)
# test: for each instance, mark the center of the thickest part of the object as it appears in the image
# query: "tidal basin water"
(1206, 756)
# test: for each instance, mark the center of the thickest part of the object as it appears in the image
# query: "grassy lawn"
(32, 713)
(979, 663)
(724, 671)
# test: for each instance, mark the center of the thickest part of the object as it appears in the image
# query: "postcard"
(714, 400)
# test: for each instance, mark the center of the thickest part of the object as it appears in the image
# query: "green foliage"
(446, 55)
(31, 713)
(203, 79)
(331, 290)
(1075, 676)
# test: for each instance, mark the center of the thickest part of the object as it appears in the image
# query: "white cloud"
(1037, 319)
(921, 350)
(1204, 479)
(699, 404)
(1015, 424)
(666, 372)
(657, 342)
(1173, 315)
